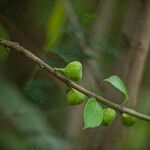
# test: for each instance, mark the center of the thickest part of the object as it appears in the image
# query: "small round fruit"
(109, 116)
(74, 97)
(128, 120)
(74, 70)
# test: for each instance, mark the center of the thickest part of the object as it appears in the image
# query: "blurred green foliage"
(139, 135)
(38, 90)
(55, 25)
(3, 34)
(69, 54)
(29, 128)
(34, 114)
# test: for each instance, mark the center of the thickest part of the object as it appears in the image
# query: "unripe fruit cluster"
(74, 72)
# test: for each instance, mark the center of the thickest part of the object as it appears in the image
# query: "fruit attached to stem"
(109, 116)
(74, 97)
(73, 70)
(128, 120)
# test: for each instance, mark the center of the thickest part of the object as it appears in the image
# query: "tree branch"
(52, 71)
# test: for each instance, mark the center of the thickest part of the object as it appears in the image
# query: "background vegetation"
(107, 36)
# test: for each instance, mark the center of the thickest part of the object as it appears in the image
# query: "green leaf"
(54, 27)
(119, 84)
(93, 114)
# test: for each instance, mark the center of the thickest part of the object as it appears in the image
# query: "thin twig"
(52, 71)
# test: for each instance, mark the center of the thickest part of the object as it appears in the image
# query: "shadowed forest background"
(108, 37)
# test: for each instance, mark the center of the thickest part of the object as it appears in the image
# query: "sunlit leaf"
(93, 114)
(119, 84)
(55, 25)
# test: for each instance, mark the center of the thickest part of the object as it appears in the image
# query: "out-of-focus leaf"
(107, 49)
(93, 114)
(9, 140)
(143, 134)
(119, 84)
(89, 17)
(3, 52)
(38, 15)
(54, 26)
(70, 54)
(142, 137)
(29, 123)
(38, 90)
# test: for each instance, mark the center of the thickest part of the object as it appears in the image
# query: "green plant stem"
(54, 72)
(60, 69)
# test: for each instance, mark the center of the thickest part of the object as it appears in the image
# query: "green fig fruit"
(73, 70)
(128, 120)
(74, 97)
(109, 116)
